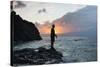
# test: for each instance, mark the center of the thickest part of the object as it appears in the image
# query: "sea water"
(74, 49)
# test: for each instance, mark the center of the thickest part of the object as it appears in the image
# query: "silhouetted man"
(53, 35)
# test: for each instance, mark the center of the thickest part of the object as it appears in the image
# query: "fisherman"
(53, 35)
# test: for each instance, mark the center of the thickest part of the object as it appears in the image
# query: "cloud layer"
(83, 21)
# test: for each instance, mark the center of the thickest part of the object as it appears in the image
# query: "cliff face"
(22, 30)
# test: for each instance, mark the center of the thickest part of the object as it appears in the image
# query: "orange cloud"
(59, 28)
(44, 30)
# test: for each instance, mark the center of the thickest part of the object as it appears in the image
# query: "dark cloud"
(19, 4)
(42, 10)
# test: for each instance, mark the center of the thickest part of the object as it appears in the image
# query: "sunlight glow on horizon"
(59, 29)
(53, 12)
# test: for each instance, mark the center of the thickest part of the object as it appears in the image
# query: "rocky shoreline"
(39, 56)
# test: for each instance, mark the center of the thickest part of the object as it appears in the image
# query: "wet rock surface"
(37, 56)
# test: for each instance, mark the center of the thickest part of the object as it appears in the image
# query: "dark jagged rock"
(22, 30)
(37, 56)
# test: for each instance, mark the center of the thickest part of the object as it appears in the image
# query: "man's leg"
(52, 43)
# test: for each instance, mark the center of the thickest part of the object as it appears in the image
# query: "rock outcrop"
(22, 30)
(29, 56)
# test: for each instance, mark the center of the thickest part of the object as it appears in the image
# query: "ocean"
(74, 49)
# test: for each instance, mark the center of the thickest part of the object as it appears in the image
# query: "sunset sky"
(68, 18)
